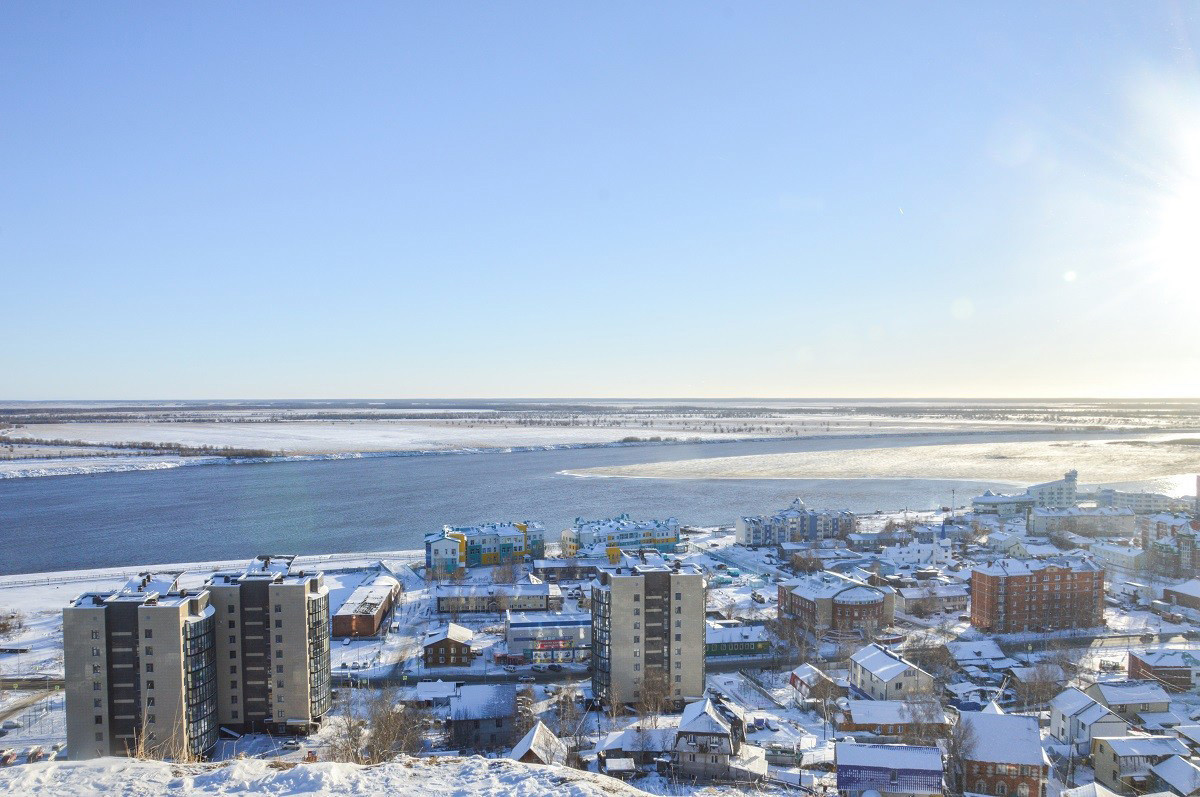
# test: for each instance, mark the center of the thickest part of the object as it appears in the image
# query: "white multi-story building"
(648, 632)
(1059, 493)
(607, 538)
(797, 523)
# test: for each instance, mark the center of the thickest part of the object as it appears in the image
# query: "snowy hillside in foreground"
(477, 777)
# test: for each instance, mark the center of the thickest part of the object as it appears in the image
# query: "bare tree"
(526, 717)
(348, 734)
(505, 572)
(655, 696)
(393, 727)
(961, 743)
(926, 719)
(11, 623)
(1040, 685)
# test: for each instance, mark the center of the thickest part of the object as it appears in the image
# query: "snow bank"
(451, 776)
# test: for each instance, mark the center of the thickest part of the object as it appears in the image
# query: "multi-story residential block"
(1007, 757)
(830, 602)
(1140, 503)
(1112, 556)
(607, 538)
(797, 523)
(1062, 492)
(1163, 525)
(1004, 507)
(140, 672)
(1124, 763)
(456, 547)
(1013, 595)
(496, 598)
(648, 632)
(881, 674)
(1176, 670)
(1101, 521)
(549, 636)
(272, 631)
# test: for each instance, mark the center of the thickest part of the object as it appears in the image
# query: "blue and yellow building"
(457, 547)
(594, 538)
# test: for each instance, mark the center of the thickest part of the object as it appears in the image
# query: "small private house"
(1128, 699)
(1008, 758)
(1176, 775)
(480, 717)
(1076, 719)
(890, 718)
(889, 770)
(710, 744)
(879, 674)
(636, 746)
(449, 646)
(1124, 763)
(810, 683)
(540, 746)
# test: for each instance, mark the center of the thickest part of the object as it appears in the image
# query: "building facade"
(1013, 595)
(877, 673)
(456, 547)
(648, 632)
(607, 538)
(363, 613)
(829, 602)
(889, 770)
(797, 523)
(1007, 758)
(140, 673)
(549, 636)
(272, 630)
(1176, 670)
(496, 598)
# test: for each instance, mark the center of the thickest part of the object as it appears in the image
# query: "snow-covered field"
(418, 777)
(1098, 461)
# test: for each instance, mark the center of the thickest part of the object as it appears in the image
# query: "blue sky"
(451, 199)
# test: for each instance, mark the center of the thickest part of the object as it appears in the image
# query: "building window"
(232, 639)
(233, 714)
(96, 703)
(149, 666)
(279, 623)
(95, 634)
(233, 654)
(150, 684)
(99, 736)
(95, 651)
(149, 633)
(232, 624)
(278, 668)
(150, 718)
(279, 639)
(279, 654)
(233, 699)
(278, 608)
(149, 650)
(95, 669)
(233, 684)
(233, 669)
(99, 719)
(150, 701)
(232, 609)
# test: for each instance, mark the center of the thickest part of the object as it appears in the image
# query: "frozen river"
(231, 511)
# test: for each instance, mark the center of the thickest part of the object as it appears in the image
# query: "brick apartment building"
(1014, 595)
(828, 601)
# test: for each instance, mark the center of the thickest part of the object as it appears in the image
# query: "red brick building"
(1008, 759)
(1175, 670)
(1015, 595)
(829, 601)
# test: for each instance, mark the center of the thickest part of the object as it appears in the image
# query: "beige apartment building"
(154, 669)
(140, 672)
(272, 630)
(648, 631)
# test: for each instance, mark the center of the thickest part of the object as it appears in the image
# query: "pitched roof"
(1180, 774)
(881, 662)
(452, 631)
(702, 717)
(542, 742)
(1005, 738)
(892, 756)
(1122, 692)
(1139, 746)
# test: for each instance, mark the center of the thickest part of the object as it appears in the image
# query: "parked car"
(525, 679)
(291, 744)
(539, 668)
(555, 667)
(510, 668)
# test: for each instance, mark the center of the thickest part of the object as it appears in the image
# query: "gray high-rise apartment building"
(154, 668)
(140, 672)
(648, 631)
(272, 629)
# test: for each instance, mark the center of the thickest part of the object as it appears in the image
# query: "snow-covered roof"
(1005, 738)
(827, 584)
(1170, 658)
(882, 712)
(483, 701)
(881, 662)
(1189, 588)
(1025, 674)
(452, 631)
(1180, 774)
(702, 717)
(891, 756)
(1142, 746)
(542, 742)
(738, 633)
(1125, 692)
(979, 650)
(936, 591)
(1026, 567)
